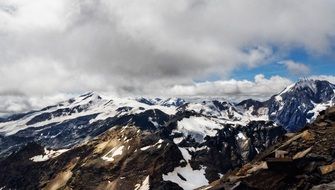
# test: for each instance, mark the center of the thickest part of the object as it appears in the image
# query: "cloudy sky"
(53, 49)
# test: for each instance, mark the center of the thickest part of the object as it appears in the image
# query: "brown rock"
(302, 153)
(244, 169)
(257, 167)
(327, 168)
(280, 153)
(308, 135)
(321, 124)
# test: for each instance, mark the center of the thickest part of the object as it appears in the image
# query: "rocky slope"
(305, 160)
(128, 157)
(122, 158)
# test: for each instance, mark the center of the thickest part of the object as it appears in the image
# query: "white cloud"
(20, 103)
(296, 68)
(330, 78)
(259, 88)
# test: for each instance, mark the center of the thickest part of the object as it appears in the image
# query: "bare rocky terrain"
(305, 160)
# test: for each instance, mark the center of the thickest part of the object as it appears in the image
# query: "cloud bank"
(150, 47)
(260, 88)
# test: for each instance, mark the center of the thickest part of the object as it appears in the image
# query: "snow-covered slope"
(84, 105)
(77, 120)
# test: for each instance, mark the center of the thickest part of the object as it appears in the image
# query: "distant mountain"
(296, 105)
(201, 138)
(301, 103)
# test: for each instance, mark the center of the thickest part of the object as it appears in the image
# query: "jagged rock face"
(261, 135)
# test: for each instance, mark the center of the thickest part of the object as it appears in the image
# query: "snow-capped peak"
(306, 84)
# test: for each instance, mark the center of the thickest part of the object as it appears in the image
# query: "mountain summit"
(300, 103)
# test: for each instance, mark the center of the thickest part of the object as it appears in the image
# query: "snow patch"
(287, 89)
(194, 178)
(197, 148)
(157, 143)
(116, 151)
(278, 98)
(153, 122)
(145, 185)
(318, 108)
(48, 154)
(198, 127)
(178, 140)
(240, 135)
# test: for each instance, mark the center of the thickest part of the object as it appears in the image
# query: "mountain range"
(89, 142)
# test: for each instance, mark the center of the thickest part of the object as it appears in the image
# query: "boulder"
(326, 186)
(327, 168)
(302, 153)
(280, 153)
(308, 135)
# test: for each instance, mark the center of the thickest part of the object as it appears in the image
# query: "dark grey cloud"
(149, 47)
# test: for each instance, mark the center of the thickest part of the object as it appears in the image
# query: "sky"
(51, 50)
